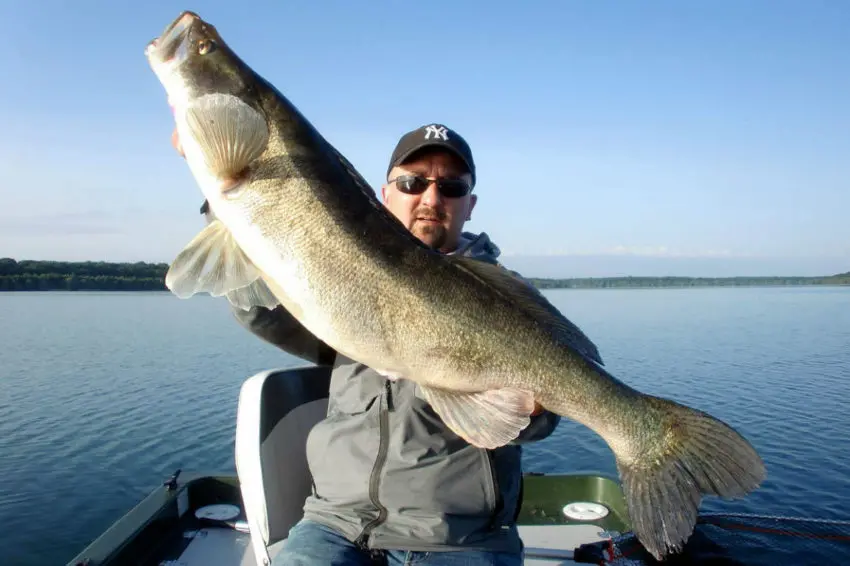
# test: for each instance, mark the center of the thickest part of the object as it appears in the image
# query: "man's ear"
(384, 192)
(472, 200)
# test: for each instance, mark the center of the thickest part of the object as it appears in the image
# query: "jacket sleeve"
(541, 426)
(278, 327)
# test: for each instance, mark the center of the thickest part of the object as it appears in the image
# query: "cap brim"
(430, 145)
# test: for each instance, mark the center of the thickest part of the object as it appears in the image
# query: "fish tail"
(664, 482)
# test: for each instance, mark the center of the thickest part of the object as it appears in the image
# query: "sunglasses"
(416, 185)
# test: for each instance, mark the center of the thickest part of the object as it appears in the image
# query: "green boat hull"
(544, 498)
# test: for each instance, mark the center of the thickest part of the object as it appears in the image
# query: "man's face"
(433, 218)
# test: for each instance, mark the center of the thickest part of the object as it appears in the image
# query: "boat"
(215, 519)
(211, 519)
(198, 519)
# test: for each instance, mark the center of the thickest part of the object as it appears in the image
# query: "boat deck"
(212, 546)
(226, 546)
(173, 526)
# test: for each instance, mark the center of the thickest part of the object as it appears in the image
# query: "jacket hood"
(477, 246)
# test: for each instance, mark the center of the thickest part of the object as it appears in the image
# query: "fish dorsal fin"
(487, 419)
(379, 208)
(355, 176)
(213, 263)
(512, 287)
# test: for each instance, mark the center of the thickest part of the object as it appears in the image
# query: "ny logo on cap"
(437, 131)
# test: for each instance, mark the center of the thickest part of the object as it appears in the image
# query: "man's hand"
(175, 141)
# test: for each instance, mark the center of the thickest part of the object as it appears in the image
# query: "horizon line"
(570, 278)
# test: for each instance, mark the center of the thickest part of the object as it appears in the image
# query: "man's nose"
(432, 196)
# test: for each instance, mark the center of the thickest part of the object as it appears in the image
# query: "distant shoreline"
(31, 275)
(671, 282)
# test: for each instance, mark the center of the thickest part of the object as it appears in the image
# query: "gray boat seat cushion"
(276, 411)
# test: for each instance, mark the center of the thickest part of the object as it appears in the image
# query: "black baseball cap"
(432, 135)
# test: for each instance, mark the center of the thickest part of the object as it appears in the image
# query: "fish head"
(191, 60)
(214, 97)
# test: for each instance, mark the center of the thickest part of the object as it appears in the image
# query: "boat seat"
(276, 411)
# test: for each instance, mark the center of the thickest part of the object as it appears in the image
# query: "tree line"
(676, 282)
(32, 275)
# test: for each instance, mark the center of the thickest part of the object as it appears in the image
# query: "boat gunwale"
(157, 505)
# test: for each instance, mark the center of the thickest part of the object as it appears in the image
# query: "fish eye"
(206, 46)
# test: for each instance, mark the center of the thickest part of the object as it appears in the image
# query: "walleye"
(295, 224)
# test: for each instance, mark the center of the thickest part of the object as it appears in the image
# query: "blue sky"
(611, 137)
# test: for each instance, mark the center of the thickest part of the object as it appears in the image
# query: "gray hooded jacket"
(387, 473)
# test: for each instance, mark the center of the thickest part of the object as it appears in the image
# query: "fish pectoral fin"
(512, 286)
(487, 419)
(229, 133)
(213, 263)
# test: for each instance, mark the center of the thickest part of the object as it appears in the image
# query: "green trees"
(31, 275)
(679, 282)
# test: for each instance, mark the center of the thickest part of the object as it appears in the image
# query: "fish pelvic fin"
(486, 419)
(230, 134)
(698, 455)
(213, 263)
(256, 294)
(512, 287)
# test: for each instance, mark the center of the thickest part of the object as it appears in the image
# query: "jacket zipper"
(363, 540)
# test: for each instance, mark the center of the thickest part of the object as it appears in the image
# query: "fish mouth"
(170, 47)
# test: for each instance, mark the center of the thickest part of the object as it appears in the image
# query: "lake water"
(104, 395)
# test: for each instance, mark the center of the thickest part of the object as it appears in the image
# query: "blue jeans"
(312, 544)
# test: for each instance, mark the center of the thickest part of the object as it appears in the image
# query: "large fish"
(295, 224)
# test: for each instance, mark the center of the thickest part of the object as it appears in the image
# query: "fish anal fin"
(486, 419)
(512, 287)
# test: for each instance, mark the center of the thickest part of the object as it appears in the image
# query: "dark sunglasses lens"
(450, 188)
(453, 189)
(412, 185)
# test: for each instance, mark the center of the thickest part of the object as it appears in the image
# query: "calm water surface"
(103, 395)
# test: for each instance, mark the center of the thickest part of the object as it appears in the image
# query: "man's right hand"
(175, 141)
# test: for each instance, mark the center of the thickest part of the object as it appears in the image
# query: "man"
(392, 484)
